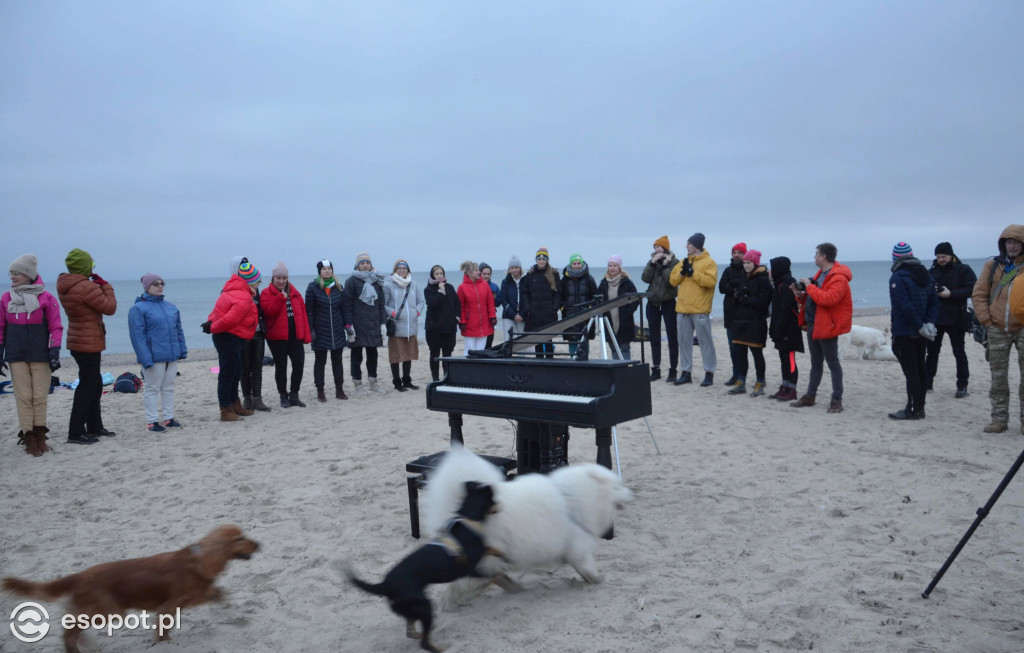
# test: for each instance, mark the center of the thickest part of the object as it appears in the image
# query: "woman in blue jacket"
(159, 343)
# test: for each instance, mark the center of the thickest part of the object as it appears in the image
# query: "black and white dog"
(453, 554)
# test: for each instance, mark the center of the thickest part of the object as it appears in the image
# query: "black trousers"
(743, 365)
(910, 352)
(656, 314)
(787, 363)
(337, 367)
(252, 367)
(956, 341)
(439, 344)
(282, 351)
(357, 361)
(85, 408)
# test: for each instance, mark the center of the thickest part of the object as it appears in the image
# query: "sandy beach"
(760, 527)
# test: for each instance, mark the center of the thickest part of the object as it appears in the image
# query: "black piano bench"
(419, 471)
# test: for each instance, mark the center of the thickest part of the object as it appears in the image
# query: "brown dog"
(159, 584)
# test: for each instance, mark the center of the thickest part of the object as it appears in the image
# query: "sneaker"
(994, 427)
(105, 433)
(961, 393)
(758, 389)
(155, 427)
(85, 438)
(738, 389)
(903, 413)
(172, 424)
(733, 380)
(655, 374)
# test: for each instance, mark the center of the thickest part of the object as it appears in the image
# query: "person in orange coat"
(233, 322)
(826, 311)
(287, 333)
(86, 298)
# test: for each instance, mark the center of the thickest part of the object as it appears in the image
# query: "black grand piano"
(546, 395)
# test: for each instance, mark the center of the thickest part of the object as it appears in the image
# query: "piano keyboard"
(512, 394)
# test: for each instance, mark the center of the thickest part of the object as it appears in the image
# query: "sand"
(759, 527)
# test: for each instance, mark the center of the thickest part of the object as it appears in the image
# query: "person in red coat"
(477, 315)
(287, 333)
(233, 322)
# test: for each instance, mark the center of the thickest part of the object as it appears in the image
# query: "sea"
(195, 297)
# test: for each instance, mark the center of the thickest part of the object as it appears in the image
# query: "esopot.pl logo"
(29, 622)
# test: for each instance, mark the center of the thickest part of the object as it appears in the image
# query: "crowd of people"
(760, 303)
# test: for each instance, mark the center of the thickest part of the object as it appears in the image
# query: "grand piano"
(546, 395)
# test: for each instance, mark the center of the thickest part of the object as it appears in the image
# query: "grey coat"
(407, 323)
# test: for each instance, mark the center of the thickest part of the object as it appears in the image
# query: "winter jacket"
(85, 304)
(573, 291)
(991, 299)
(508, 297)
(695, 292)
(235, 312)
(656, 275)
(366, 319)
(476, 306)
(28, 337)
(959, 279)
(833, 303)
(784, 328)
(538, 301)
(275, 309)
(753, 305)
(733, 277)
(495, 290)
(408, 323)
(327, 313)
(443, 311)
(912, 297)
(154, 325)
(626, 333)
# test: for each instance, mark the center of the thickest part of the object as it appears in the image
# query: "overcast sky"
(169, 136)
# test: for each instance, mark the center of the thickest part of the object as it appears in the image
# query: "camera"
(801, 286)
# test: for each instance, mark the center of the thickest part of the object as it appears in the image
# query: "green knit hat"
(79, 262)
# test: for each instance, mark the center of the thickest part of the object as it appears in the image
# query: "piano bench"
(419, 471)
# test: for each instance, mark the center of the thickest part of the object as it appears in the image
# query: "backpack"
(127, 382)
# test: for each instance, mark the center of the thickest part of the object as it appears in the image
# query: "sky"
(168, 136)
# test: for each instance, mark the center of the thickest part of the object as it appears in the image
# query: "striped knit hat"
(900, 250)
(248, 272)
(543, 251)
(360, 257)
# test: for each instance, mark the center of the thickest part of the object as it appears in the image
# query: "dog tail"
(43, 591)
(377, 589)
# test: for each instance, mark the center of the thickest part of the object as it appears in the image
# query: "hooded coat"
(784, 328)
(476, 305)
(833, 315)
(275, 310)
(959, 278)
(154, 325)
(912, 297)
(443, 310)
(85, 303)
(235, 312)
(753, 305)
(991, 295)
(733, 278)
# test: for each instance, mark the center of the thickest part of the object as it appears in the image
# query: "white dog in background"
(868, 343)
(541, 522)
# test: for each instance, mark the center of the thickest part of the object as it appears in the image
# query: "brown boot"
(787, 394)
(321, 396)
(31, 447)
(228, 414)
(41, 438)
(339, 393)
(836, 406)
(239, 410)
(804, 401)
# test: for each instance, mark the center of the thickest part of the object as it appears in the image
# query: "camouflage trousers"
(1000, 344)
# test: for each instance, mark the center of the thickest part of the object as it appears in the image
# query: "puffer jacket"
(276, 312)
(753, 305)
(327, 313)
(154, 325)
(695, 293)
(912, 297)
(656, 275)
(235, 312)
(784, 328)
(733, 278)
(833, 314)
(408, 323)
(476, 304)
(991, 299)
(576, 290)
(538, 301)
(959, 278)
(508, 297)
(28, 337)
(366, 319)
(443, 310)
(626, 333)
(85, 304)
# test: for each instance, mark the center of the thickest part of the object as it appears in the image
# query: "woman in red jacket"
(287, 333)
(232, 322)
(476, 301)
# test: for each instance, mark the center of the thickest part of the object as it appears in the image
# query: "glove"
(493, 321)
(350, 332)
(54, 359)
(928, 330)
(462, 328)
(98, 280)
(687, 268)
(206, 326)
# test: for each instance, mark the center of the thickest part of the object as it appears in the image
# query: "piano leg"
(528, 435)
(455, 424)
(604, 447)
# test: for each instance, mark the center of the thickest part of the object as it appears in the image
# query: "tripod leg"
(652, 436)
(982, 513)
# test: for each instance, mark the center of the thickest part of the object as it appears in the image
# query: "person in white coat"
(403, 303)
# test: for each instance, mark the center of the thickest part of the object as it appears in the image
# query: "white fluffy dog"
(868, 343)
(542, 521)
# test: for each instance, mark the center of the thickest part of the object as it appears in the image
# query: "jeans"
(956, 341)
(229, 355)
(824, 351)
(283, 351)
(85, 408)
(656, 314)
(910, 352)
(699, 323)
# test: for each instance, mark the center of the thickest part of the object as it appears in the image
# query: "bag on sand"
(127, 382)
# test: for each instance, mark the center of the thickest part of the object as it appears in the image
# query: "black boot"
(407, 376)
(395, 379)
(407, 382)
(293, 399)
(684, 377)
(671, 378)
(284, 400)
(655, 373)
(709, 379)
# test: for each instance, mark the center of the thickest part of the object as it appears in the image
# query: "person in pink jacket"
(30, 337)
(233, 322)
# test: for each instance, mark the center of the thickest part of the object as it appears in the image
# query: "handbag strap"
(402, 307)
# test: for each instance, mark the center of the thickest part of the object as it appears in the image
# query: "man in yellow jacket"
(695, 278)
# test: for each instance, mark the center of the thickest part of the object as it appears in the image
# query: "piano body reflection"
(546, 395)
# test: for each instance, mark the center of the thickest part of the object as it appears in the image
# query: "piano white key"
(512, 394)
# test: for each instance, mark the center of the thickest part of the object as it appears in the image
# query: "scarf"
(368, 277)
(399, 281)
(25, 299)
(324, 284)
(613, 292)
(576, 274)
(439, 283)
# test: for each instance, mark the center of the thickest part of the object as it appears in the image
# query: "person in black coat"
(364, 291)
(442, 323)
(540, 299)
(576, 286)
(785, 328)
(615, 283)
(327, 309)
(954, 282)
(750, 322)
(733, 278)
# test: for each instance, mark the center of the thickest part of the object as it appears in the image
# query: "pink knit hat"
(753, 256)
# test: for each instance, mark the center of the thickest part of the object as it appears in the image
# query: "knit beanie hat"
(753, 256)
(663, 241)
(485, 266)
(575, 257)
(944, 248)
(900, 250)
(360, 257)
(400, 263)
(280, 270)
(324, 263)
(697, 240)
(543, 252)
(740, 247)
(79, 262)
(25, 264)
(149, 279)
(616, 259)
(514, 262)
(248, 272)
